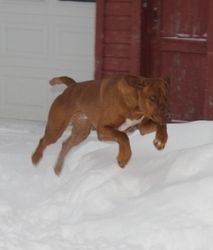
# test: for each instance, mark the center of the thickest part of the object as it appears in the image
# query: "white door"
(40, 39)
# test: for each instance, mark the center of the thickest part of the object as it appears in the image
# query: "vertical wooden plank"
(184, 28)
(135, 40)
(99, 40)
(208, 109)
(118, 28)
(199, 18)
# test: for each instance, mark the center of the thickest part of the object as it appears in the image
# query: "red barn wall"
(117, 37)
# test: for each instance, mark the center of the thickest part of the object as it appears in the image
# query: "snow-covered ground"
(160, 201)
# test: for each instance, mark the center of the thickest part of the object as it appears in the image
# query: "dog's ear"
(134, 81)
(128, 86)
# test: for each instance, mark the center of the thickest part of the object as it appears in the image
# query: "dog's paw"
(57, 170)
(123, 159)
(159, 144)
(36, 158)
(58, 167)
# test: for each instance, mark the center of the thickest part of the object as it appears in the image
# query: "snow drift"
(160, 201)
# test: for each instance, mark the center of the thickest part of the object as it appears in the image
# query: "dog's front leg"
(110, 134)
(161, 137)
(147, 126)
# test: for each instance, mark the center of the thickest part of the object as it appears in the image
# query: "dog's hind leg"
(52, 134)
(58, 120)
(37, 155)
(80, 131)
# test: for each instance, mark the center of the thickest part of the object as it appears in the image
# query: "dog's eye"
(153, 98)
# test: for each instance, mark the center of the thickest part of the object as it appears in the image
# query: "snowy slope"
(160, 201)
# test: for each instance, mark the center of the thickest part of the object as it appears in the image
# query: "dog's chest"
(129, 123)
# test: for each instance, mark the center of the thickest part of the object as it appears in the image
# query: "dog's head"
(152, 97)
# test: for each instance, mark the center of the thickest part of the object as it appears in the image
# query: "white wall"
(40, 39)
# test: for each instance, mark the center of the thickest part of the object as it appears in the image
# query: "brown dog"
(112, 106)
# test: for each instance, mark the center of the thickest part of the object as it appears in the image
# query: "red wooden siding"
(117, 37)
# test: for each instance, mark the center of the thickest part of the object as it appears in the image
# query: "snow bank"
(160, 201)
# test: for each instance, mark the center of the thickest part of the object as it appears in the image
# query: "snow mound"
(160, 201)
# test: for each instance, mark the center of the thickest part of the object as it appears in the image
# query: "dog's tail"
(62, 80)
